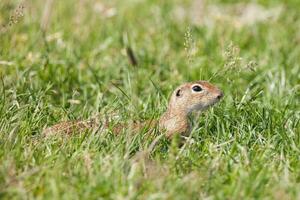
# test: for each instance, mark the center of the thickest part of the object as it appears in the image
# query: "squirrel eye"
(196, 88)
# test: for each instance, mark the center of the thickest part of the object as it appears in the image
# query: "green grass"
(247, 147)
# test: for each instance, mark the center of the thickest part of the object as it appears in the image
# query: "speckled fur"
(173, 121)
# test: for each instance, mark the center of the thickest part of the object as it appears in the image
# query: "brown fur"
(183, 101)
(175, 119)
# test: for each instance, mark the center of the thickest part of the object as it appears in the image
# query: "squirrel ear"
(179, 93)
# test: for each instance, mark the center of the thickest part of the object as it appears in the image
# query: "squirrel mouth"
(220, 96)
(214, 101)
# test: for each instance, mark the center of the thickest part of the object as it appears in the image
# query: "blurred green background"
(62, 60)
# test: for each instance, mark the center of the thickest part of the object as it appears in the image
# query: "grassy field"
(62, 60)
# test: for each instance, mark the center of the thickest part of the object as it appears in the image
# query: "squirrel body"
(187, 98)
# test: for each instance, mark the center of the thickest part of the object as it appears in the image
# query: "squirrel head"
(194, 96)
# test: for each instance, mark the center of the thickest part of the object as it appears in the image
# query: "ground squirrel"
(189, 97)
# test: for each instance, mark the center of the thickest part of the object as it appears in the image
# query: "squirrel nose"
(220, 95)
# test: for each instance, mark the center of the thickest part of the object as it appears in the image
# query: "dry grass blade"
(131, 57)
(46, 15)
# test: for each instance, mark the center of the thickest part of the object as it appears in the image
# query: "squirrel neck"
(171, 113)
(175, 121)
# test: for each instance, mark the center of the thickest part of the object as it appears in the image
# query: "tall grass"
(247, 147)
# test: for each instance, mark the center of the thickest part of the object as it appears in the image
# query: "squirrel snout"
(220, 95)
